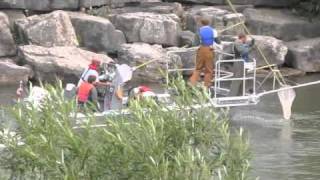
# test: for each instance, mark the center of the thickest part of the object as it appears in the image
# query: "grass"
(153, 142)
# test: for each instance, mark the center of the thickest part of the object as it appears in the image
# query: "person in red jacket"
(87, 93)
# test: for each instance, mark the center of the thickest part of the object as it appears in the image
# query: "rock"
(96, 33)
(13, 15)
(12, 74)
(7, 44)
(213, 2)
(187, 56)
(304, 55)
(139, 53)
(150, 28)
(188, 39)
(92, 3)
(54, 29)
(43, 5)
(274, 50)
(123, 3)
(280, 24)
(156, 7)
(66, 63)
(275, 3)
(219, 19)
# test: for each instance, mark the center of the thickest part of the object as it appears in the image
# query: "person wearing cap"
(87, 94)
(242, 47)
(92, 70)
(142, 92)
(205, 54)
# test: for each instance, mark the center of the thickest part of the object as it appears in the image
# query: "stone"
(220, 19)
(188, 39)
(43, 5)
(123, 3)
(92, 3)
(53, 29)
(97, 33)
(213, 2)
(13, 15)
(64, 62)
(281, 24)
(275, 3)
(304, 55)
(7, 44)
(187, 56)
(150, 28)
(12, 74)
(139, 53)
(155, 7)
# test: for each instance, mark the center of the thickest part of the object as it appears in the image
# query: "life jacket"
(84, 92)
(207, 35)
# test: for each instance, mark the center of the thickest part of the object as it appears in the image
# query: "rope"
(230, 27)
(278, 76)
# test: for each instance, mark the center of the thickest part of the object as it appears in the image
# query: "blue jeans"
(245, 57)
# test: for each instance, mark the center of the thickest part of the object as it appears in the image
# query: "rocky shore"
(43, 40)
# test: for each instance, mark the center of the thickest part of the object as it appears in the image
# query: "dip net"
(286, 97)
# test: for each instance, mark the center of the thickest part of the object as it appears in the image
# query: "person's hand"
(19, 92)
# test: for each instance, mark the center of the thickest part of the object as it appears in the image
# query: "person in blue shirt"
(205, 54)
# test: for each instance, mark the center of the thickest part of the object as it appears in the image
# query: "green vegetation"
(153, 142)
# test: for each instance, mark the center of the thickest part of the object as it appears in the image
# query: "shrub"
(154, 141)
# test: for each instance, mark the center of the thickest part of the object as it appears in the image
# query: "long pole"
(288, 87)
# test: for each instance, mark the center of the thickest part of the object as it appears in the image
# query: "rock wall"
(62, 43)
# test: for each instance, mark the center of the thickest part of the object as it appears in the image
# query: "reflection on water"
(281, 149)
(284, 149)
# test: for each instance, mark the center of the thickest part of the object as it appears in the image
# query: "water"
(282, 150)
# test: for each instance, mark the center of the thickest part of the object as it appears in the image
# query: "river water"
(282, 149)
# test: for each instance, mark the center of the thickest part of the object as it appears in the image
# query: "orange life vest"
(84, 91)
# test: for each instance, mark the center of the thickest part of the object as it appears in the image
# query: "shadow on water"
(284, 149)
(281, 149)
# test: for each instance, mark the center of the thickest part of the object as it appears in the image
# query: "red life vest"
(84, 91)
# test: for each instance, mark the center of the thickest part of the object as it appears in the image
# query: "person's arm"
(119, 93)
(252, 42)
(216, 37)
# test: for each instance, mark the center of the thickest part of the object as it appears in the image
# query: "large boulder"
(123, 3)
(13, 15)
(219, 19)
(54, 29)
(12, 74)
(304, 55)
(91, 3)
(42, 5)
(7, 44)
(188, 39)
(139, 53)
(274, 50)
(66, 63)
(275, 3)
(150, 28)
(155, 7)
(187, 56)
(96, 33)
(280, 24)
(213, 2)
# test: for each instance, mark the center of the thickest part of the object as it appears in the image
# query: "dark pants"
(237, 86)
